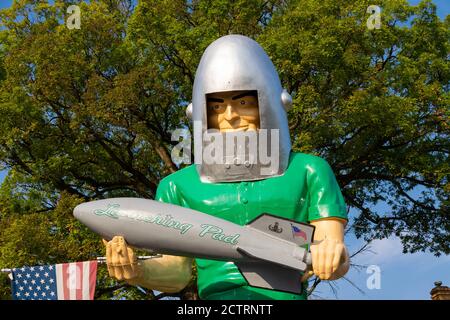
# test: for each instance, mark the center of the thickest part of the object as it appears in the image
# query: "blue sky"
(403, 276)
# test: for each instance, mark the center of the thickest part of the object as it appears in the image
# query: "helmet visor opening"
(232, 111)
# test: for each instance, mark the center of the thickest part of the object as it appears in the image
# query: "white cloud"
(403, 276)
(390, 251)
(382, 251)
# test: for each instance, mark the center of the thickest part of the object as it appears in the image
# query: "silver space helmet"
(238, 63)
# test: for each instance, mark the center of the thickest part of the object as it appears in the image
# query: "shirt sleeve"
(325, 197)
(167, 192)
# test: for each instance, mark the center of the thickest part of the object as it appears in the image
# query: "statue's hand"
(120, 259)
(330, 259)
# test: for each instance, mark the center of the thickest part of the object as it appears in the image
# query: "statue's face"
(233, 111)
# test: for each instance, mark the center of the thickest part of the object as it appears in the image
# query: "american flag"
(296, 232)
(67, 281)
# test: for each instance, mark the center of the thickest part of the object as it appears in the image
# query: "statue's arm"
(330, 257)
(166, 274)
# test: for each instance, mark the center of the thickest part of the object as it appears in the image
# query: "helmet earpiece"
(189, 111)
(286, 100)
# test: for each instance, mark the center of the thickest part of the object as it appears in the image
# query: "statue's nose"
(230, 114)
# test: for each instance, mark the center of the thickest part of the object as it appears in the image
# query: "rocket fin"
(271, 276)
(291, 261)
(296, 232)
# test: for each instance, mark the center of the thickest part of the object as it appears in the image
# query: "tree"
(88, 113)
(375, 104)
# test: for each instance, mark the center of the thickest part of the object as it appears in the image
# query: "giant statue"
(237, 92)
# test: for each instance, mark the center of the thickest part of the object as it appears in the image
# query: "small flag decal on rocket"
(296, 232)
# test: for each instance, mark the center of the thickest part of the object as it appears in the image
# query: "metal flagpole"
(100, 260)
(103, 259)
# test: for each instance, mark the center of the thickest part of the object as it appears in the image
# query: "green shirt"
(307, 191)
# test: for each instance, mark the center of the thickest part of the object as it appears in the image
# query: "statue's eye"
(216, 107)
(242, 101)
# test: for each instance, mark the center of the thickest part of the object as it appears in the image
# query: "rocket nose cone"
(80, 210)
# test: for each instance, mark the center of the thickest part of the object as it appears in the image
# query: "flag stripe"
(80, 288)
(92, 278)
(59, 281)
(86, 281)
(85, 276)
(72, 280)
(66, 282)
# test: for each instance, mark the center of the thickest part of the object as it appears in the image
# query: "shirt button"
(244, 200)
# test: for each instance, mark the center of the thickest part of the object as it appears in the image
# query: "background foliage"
(88, 113)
